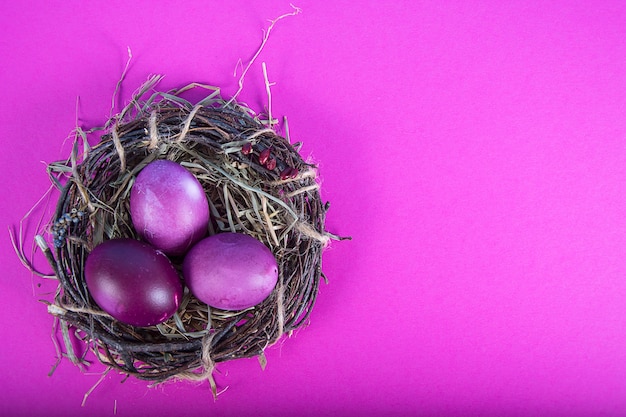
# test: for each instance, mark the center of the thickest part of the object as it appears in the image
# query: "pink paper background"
(475, 151)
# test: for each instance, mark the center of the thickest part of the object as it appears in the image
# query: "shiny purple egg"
(230, 271)
(168, 207)
(133, 282)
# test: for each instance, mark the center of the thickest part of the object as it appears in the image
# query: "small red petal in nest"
(294, 173)
(264, 156)
(270, 164)
(286, 173)
(246, 148)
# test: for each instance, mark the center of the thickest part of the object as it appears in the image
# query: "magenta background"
(474, 150)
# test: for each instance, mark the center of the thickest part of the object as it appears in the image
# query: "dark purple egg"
(133, 282)
(230, 271)
(168, 207)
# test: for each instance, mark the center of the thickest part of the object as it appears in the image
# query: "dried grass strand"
(153, 131)
(118, 147)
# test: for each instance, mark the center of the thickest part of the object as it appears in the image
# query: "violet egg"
(168, 207)
(230, 271)
(133, 282)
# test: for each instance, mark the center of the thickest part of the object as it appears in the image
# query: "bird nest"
(256, 183)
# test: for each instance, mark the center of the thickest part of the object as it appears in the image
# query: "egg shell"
(230, 271)
(133, 282)
(168, 207)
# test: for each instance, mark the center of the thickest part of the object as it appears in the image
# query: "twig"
(268, 85)
(266, 35)
(118, 86)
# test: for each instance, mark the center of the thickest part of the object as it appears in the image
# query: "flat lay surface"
(474, 151)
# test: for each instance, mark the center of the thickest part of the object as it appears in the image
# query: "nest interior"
(222, 144)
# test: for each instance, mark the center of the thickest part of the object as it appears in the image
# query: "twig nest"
(256, 183)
